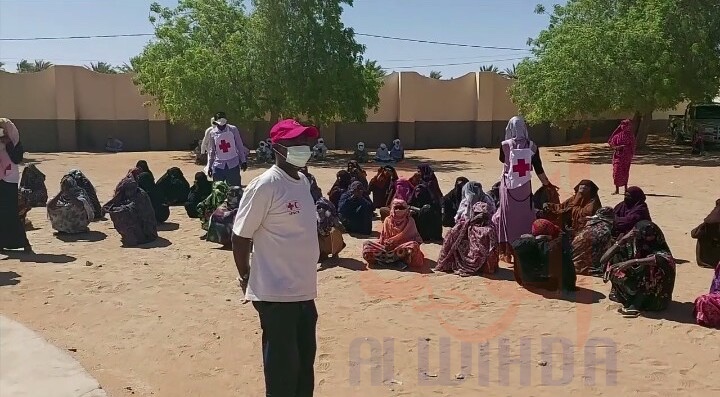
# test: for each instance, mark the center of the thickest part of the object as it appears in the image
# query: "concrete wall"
(70, 108)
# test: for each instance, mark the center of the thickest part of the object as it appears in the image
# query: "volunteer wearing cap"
(278, 219)
(226, 154)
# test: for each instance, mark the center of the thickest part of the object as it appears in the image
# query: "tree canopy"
(102, 67)
(620, 55)
(24, 66)
(290, 58)
(435, 74)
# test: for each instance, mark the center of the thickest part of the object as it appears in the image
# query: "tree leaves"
(24, 66)
(290, 58)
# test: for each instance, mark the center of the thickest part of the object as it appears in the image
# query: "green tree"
(620, 55)
(24, 66)
(435, 74)
(102, 67)
(510, 73)
(2, 66)
(287, 58)
(489, 68)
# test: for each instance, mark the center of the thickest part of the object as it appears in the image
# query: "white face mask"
(297, 155)
(221, 122)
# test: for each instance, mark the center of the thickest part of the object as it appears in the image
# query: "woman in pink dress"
(622, 141)
(707, 307)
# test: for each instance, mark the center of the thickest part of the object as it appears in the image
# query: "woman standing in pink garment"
(622, 141)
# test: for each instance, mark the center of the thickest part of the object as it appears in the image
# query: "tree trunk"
(641, 125)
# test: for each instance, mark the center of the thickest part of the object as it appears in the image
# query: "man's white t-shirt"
(278, 213)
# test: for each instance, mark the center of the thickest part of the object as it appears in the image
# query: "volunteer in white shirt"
(226, 154)
(12, 229)
(277, 219)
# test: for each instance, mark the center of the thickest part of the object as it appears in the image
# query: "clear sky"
(503, 23)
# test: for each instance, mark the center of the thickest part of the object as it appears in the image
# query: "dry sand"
(166, 320)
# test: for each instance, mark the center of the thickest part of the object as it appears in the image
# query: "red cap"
(289, 129)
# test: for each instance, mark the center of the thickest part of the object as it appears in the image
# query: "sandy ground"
(166, 320)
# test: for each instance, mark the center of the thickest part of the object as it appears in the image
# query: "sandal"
(629, 312)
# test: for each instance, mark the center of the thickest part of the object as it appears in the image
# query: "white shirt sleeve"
(204, 146)
(253, 208)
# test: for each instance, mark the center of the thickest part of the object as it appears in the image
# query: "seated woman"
(641, 270)
(427, 176)
(84, 183)
(382, 186)
(707, 307)
(361, 155)
(494, 193)
(319, 151)
(356, 210)
(590, 244)
(221, 221)
(113, 145)
(427, 214)
(544, 259)
(404, 189)
(575, 210)
(263, 153)
(70, 210)
(315, 190)
(343, 179)
(451, 202)
(146, 183)
(174, 187)
(33, 180)
(397, 152)
(399, 243)
(471, 246)
(547, 194)
(132, 214)
(24, 207)
(382, 154)
(357, 173)
(330, 230)
(199, 191)
(142, 165)
(707, 234)
(212, 202)
(632, 210)
(472, 193)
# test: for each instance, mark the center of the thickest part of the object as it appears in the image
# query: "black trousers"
(12, 229)
(289, 346)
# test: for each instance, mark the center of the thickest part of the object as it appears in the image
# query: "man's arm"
(211, 153)
(239, 145)
(241, 253)
(252, 210)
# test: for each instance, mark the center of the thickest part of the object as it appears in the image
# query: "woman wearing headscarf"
(70, 210)
(142, 165)
(397, 152)
(84, 183)
(630, 211)
(356, 210)
(382, 154)
(622, 141)
(382, 186)
(641, 270)
(574, 212)
(707, 307)
(427, 176)
(174, 187)
(11, 154)
(470, 247)
(399, 243)
(199, 191)
(315, 190)
(361, 155)
(520, 156)
(592, 241)
(473, 193)
(343, 179)
(357, 173)
(212, 202)
(132, 214)
(707, 234)
(162, 211)
(544, 258)
(427, 213)
(451, 202)
(494, 193)
(221, 221)
(33, 180)
(330, 229)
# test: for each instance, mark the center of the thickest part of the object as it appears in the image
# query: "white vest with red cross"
(225, 144)
(518, 170)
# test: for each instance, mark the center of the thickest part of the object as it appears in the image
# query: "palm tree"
(26, 67)
(510, 72)
(375, 70)
(489, 68)
(126, 68)
(435, 74)
(101, 67)
(1, 66)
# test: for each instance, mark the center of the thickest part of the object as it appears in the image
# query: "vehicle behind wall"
(703, 119)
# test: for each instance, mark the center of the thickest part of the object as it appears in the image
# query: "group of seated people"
(383, 154)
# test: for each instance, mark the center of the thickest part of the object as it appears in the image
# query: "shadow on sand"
(9, 278)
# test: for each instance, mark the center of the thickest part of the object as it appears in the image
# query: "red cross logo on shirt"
(521, 167)
(224, 146)
(293, 206)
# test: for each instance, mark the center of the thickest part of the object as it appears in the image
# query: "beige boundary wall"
(70, 108)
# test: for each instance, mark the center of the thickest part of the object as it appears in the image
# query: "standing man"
(277, 220)
(226, 154)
